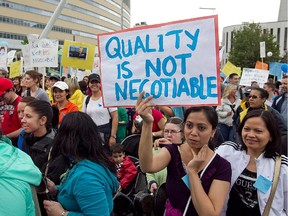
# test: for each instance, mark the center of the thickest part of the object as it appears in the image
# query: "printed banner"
(78, 55)
(257, 75)
(176, 62)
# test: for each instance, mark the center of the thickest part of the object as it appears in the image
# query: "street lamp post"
(122, 14)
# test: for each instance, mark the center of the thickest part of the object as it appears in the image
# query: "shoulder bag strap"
(87, 100)
(274, 185)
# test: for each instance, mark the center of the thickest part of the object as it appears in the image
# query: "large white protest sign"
(177, 63)
(257, 75)
(43, 53)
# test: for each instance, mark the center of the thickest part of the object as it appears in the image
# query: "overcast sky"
(230, 12)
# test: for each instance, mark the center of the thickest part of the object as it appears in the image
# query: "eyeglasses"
(253, 96)
(173, 132)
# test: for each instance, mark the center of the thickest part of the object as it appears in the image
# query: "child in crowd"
(126, 170)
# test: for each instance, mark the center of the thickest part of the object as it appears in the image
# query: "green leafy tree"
(25, 41)
(245, 51)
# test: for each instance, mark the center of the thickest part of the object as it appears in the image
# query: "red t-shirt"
(9, 118)
(157, 115)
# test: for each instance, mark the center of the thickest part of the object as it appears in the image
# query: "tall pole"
(122, 14)
(53, 19)
(48, 28)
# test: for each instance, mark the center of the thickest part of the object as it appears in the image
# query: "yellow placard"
(78, 55)
(15, 69)
(231, 68)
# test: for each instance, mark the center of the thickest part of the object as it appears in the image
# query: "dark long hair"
(272, 146)
(78, 138)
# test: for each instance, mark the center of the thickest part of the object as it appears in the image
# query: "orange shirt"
(70, 107)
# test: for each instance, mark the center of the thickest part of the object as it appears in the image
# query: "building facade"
(80, 20)
(279, 29)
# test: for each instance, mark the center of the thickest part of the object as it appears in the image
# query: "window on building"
(278, 35)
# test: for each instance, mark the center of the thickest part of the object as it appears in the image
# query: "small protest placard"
(257, 75)
(177, 63)
(15, 69)
(3, 56)
(43, 53)
(78, 55)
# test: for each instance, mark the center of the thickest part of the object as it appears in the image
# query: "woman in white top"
(253, 164)
(226, 110)
(105, 118)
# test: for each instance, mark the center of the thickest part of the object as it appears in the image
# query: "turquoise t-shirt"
(88, 189)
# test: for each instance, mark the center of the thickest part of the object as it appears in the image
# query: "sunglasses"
(253, 96)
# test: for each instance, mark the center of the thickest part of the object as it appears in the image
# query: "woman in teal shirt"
(89, 186)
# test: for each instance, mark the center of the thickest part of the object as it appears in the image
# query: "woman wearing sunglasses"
(256, 100)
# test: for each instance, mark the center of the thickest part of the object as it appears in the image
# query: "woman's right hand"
(144, 108)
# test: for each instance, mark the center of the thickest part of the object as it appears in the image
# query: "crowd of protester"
(214, 160)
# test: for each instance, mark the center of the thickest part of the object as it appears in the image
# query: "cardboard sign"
(15, 69)
(257, 75)
(78, 55)
(261, 65)
(230, 68)
(177, 63)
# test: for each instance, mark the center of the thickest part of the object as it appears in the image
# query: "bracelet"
(113, 136)
(63, 213)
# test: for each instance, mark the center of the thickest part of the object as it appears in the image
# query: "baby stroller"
(137, 201)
